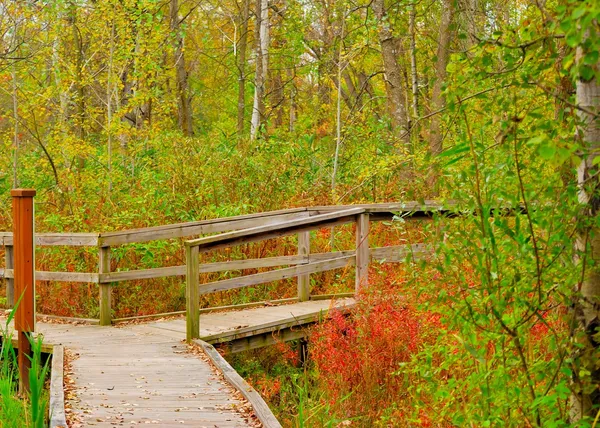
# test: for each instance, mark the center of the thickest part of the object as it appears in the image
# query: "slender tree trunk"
(413, 60)
(262, 66)
(242, 47)
(586, 394)
(437, 99)
(109, 104)
(367, 87)
(338, 115)
(183, 96)
(354, 95)
(79, 88)
(293, 90)
(277, 98)
(396, 97)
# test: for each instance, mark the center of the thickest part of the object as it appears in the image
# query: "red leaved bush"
(362, 353)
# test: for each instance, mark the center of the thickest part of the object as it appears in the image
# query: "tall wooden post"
(24, 277)
(192, 284)
(362, 251)
(304, 279)
(104, 267)
(9, 262)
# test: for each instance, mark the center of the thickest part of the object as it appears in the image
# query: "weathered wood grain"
(57, 276)
(362, 251)
(274, 230)
(203, 227)
(203, 268)
(192, 304)
(136, 376)
(266, 339)
(304, 279)
(56, 239)
(223, 326)
(276, 275)
(261, 409)
(399, 253)
(56, 407)
(104, 289)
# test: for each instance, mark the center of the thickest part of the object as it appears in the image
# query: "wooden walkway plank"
(145, 373)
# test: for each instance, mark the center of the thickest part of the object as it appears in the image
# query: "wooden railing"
(245, 228)
(308, 263)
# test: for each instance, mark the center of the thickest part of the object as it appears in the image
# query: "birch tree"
(262, 66)
(586, 395)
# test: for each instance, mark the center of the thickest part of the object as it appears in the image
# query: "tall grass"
(17, 411)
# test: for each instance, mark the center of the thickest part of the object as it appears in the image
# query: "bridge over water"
(143, 372)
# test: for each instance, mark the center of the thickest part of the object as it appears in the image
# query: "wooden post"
(362, 251)
(24, 278)
(302, 351)
(192, 297)
(9, 263)
(104, 267)
(304, 279)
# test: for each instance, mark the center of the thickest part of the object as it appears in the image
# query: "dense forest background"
(131, 113)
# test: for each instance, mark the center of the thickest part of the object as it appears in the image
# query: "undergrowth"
(17, 411)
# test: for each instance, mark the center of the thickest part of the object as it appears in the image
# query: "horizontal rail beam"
(56, 239)
(204, 268)
(399, 253)
(275, 230)
(392, 254)
(56, 276)
(275, 275)
(394, 207)
(182, 230)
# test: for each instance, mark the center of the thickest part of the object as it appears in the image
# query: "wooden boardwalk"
(144, 373)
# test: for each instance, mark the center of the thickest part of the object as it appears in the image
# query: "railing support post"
(362, 251)
(9, 263)
(24, 277)
(192, 284)
(304, 279)
(104, 267)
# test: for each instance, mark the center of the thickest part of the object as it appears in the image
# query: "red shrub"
(363, 353)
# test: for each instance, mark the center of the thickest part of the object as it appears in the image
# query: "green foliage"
(30, 412)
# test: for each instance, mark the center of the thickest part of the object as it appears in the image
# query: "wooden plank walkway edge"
(261, 409)
(56, 409)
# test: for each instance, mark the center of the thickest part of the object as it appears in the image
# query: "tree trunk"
(241, 65)
(437, 99)
(277, 98)
(586, 394)
(413, 60)
(79, 89)
(396, 97)
(262, 66)
(354, 95)
(183, 96)
(293, 90)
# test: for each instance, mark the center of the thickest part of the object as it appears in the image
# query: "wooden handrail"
(261, 233)
(246, 228)
(56, 239)
(193, 248)
(182, 230)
